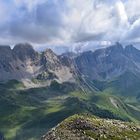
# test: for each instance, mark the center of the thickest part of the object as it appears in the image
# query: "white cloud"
(62, 21)
(121, 14)
(132, 9)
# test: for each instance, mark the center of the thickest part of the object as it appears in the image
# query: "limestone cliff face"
(24, 63)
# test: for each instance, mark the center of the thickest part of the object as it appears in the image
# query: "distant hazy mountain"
(23, 62)
(108, 63)
(114, 70)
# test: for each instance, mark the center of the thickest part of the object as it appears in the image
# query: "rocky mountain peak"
(4, 48)
(130, 49)
(23, 62)
(117, 48)
(24, 51)
(133, 53)
(103, 64)
(5, 53)
(23, 46)
(49, 54)
(48, 50)
(108, 63)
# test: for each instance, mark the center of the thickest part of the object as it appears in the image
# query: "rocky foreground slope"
(86, 127)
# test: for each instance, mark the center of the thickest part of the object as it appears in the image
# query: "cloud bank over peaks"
(69, 21)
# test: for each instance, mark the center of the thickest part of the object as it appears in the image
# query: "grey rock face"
(108, 63)
(6, 57)
(23, 62)
(24, 52)
(51, 60)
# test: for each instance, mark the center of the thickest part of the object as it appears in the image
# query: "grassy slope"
(28, 114)
(90, 127)
(124, 90)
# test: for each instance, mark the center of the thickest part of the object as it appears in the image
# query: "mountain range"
(38, 90)
(106, 64)
(23, 62)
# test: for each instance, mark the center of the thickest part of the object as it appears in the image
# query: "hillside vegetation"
(85, 127)
(28, 113)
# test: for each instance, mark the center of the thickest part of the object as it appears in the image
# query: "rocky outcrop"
(25, 52)
(86, 127)
(23, 63)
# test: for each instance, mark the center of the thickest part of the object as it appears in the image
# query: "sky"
(55, 22)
